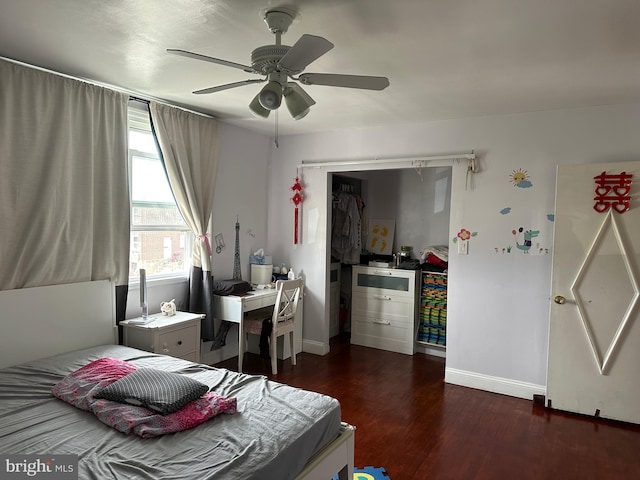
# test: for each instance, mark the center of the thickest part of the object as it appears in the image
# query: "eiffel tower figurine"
(237, 274)
(220, 339)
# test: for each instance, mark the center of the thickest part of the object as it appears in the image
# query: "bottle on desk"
(291, 275)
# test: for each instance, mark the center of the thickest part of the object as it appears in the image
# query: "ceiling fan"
(278, 63)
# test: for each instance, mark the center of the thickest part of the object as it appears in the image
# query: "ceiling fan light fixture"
(297, 100)
(297, 107)
(270, 97)
(298, 115)
(258, 109)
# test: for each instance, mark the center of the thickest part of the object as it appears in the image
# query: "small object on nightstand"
(168, 308)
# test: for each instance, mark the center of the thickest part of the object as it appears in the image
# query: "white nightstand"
(178, 336)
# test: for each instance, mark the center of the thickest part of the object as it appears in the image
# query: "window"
(160, 240)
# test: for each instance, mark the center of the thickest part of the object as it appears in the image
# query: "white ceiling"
(445, 59)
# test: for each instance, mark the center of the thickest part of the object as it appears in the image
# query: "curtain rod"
(414, 161)
(138, 99)
(132, 95)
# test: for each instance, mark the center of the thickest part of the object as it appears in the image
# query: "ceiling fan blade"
(227, 86)
(307, 49)
(197, 56)
(349, 81)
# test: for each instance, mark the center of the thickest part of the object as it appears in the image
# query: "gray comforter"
(276, 430)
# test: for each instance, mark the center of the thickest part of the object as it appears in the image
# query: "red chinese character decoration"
(612, 191)
(297, 200)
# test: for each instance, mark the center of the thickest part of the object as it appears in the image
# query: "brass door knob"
(559, 299)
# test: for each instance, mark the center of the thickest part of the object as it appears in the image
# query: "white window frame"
(138, 121)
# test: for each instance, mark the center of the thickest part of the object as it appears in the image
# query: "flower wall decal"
(464, 235)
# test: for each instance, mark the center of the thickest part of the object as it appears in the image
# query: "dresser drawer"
(384, 281)
(178, 343)
(384, 307)
(383, 334)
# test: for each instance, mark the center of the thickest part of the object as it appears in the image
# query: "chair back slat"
(286, 306)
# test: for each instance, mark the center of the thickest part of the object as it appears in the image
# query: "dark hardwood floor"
(417, 427)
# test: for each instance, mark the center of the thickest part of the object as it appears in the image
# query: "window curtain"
(189, 149)
(64, 194)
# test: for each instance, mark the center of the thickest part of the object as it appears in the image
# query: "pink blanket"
(80, 387)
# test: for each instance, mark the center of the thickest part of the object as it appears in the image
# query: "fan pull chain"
(275, 137)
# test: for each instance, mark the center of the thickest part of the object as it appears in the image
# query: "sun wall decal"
(520, 178)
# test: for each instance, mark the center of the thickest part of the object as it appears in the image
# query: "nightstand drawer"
(178, 335)
(191, 357)
(178, 343)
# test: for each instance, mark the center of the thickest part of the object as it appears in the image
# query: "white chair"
(283, 321)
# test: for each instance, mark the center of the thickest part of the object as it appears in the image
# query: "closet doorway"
(418, 203)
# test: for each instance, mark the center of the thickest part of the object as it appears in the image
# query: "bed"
(278, 432)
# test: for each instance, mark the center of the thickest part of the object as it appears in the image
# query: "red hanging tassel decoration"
(297, 200)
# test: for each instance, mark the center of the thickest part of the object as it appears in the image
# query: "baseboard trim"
(314, 347)
(434, 351)
(489, 383)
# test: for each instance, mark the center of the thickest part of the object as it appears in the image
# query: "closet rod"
(414, 161)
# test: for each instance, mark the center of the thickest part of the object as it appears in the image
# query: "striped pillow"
(157, 390)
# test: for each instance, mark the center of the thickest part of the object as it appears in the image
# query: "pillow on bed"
(163, 392)
(80, 387)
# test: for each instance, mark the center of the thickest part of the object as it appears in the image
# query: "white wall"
(498, 302)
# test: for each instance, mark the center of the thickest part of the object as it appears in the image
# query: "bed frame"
(43, 321)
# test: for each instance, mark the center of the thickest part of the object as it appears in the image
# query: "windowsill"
(159, 281)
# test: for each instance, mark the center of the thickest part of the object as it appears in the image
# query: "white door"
(594, 332)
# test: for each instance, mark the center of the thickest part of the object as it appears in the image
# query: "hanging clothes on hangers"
(346, 227)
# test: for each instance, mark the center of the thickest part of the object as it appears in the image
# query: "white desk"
(233, 307)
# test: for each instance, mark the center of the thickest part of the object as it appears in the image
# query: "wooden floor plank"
(417, 427)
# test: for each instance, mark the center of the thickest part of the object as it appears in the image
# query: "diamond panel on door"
(607, 268)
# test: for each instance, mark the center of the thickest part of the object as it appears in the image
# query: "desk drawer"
(178, 343)
(256, 302)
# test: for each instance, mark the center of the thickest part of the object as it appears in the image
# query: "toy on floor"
(368, 473)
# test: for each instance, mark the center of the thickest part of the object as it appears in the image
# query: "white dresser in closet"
(384, 310)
